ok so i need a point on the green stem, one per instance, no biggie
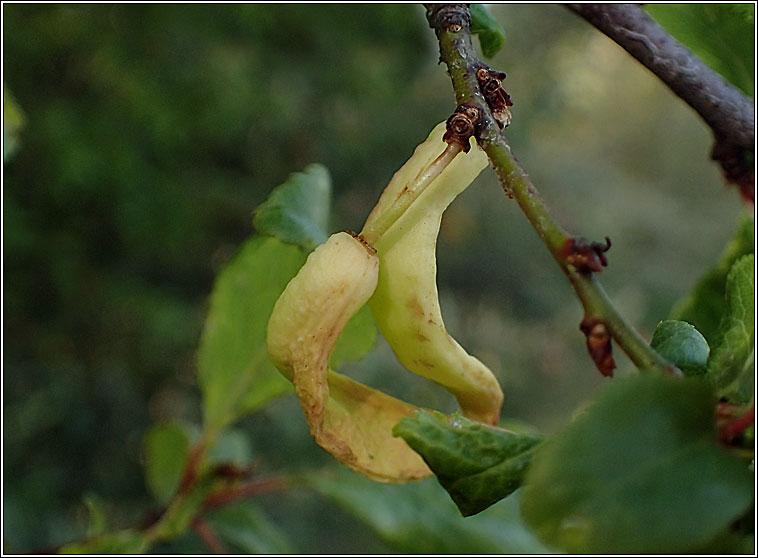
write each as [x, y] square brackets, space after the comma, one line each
[451, 23]
[596, 303]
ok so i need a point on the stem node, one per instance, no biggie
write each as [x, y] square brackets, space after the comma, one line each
[498, 99]
[463, 124]
[585, 256]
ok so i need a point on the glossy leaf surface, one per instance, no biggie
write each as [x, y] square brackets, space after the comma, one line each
[640, 471]
[477, 464]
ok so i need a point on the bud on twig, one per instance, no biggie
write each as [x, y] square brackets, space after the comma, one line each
[586, 256]
[599, 344]
[463, 124]
[491, 85]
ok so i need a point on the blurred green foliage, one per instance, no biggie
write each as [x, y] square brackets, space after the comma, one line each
[731, 363]
[639, 472]
[722, 35]
[13, 122]
[152, 131]
[491, 34]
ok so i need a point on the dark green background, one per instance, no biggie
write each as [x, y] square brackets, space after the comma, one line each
[153, 131]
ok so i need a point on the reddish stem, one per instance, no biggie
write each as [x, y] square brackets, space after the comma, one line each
[209, 536]
[192, 468]
[251, 488]
[734, 428]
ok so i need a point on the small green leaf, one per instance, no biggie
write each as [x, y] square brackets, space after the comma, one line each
[13, 122]
[477, 464]
[166, 450]
[491, 33]
[356, 340]
[730, 366]
[419, 518]
[98, 521]
[639, 472]
[683, 345]
[704, 306]
[246, 527]
[123, 542]
[232, 446]
[297, 212]
[234, 371]
[722, 35]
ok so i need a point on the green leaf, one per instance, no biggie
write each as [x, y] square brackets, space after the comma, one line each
[13, 122]
[640, 471]
[166, 450]
[297, 212]
[232, 446]
[98, 520]
[722, 35]
[704, 306]
[683, 345]
[123, 542]
[491, 33]
[356, 340]
[247, 528]
[730, 366]
[477, 464]
[419, 518]
[234, 371]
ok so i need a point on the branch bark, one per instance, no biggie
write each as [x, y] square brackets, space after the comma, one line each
[729, 113]
[451, 23]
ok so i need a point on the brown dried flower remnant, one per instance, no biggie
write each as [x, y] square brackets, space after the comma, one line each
[599, 344]
[461, 125]
[586, 256]
[491, 84]
[737, 166]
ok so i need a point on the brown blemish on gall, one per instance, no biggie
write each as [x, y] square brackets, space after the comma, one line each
[370, 249]
[414, 306]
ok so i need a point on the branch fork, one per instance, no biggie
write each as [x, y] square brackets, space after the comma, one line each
[475, 83]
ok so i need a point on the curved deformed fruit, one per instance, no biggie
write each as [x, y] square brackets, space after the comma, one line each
[406, 303]
[351, 421]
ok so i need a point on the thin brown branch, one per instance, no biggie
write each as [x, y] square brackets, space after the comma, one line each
[197, 454]
[245, 490]
[729, 113]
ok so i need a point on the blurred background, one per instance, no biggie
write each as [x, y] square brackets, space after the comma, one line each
[152, 132]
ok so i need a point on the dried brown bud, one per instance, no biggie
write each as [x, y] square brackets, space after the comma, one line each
[736, 165]
[586, 256]
[599, 344]
[461, 125]
[491, 85]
